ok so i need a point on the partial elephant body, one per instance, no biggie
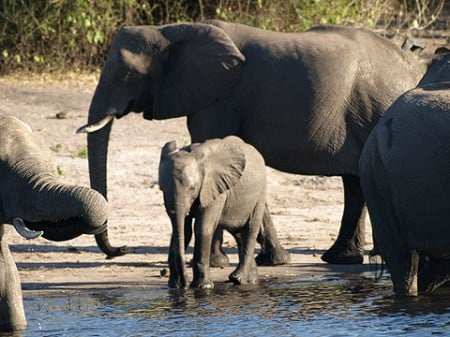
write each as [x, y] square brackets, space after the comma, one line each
[221, 184]
[307, 101]
[34, 202]
[30, 191]
[322, 90]
[404, 170]
[12, 314]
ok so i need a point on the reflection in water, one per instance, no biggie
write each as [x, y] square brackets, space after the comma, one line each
[316, 307]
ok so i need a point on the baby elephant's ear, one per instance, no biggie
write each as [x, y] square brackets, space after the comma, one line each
[169, 147]
[223, 165]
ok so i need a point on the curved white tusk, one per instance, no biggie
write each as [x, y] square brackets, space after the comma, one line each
[20, 227]
[89, 128]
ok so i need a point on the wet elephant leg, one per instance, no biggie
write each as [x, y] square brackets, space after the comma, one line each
[434, 274]
[12, 314]
[272, 253]
[348, 248]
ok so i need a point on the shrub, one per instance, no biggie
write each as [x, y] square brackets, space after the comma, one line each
[49, 35]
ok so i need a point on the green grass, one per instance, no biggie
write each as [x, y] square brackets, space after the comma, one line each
[83, 153]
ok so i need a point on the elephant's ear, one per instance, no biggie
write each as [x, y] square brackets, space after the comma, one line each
[168, 148]
[223, 164]
[164, 170]
[203, 65]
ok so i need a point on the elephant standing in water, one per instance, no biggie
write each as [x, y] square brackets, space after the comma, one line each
[222, 184]
[405, 175]
[307, 101]
[32, 199]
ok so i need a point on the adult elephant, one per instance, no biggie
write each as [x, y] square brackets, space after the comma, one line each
[36, 203]
[307, 101]
[405, 171]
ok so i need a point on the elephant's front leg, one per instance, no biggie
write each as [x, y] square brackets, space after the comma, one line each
[204, 228]
[272, 253]
[348, 248]
[12, 314]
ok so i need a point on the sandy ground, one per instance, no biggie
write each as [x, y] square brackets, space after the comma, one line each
[306, 209]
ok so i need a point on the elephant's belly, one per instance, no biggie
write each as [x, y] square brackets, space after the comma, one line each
[295, 153]
[311, 163]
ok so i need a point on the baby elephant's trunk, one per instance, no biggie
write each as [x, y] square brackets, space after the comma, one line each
[178, 278]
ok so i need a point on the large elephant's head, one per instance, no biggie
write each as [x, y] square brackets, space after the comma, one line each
[194, 176]
[438, 68]
[164, 72]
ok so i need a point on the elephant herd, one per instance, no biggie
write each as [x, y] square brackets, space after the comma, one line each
[330, 101]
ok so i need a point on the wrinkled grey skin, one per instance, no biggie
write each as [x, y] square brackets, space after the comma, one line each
[219, 183]
[307, 101]
[405, 175]
[34, 202]
[12, 314]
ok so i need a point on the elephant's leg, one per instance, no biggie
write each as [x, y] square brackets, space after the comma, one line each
[204, 228]
[12, 314]
[403, 264]
[246, 272]
[272, 253]
[218, 257]
[434, 274]
[348, 248]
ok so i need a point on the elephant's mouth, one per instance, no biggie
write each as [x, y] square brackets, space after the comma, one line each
[64, 229]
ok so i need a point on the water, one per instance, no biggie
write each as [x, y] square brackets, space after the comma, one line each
[335, 306]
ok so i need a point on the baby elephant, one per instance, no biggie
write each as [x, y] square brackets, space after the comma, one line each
[36, 203]
[220, 183]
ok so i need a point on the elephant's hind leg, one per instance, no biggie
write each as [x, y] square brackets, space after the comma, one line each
[404, 265]
[348, 248]
[272, 253]
[434, 274]
[218, 257]
[245, 272]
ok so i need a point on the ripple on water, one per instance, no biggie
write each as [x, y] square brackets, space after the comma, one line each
[340, 306]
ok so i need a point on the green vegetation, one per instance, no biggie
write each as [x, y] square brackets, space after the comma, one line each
[49, 35]
[83, 153]
[58, 147]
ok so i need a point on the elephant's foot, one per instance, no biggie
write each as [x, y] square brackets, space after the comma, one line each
[202, 284]
[239, 278]
[340, 254]
[273, 257]
[218, 260]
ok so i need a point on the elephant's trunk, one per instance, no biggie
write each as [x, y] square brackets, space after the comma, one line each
[177, 255]
[12, 314]
[64, 212]
[97, 155]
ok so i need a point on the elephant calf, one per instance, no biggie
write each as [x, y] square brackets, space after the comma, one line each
[222, 184]
[34, 202]
[405, 175]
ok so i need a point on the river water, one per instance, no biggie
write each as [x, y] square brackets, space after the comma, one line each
[332, 306]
